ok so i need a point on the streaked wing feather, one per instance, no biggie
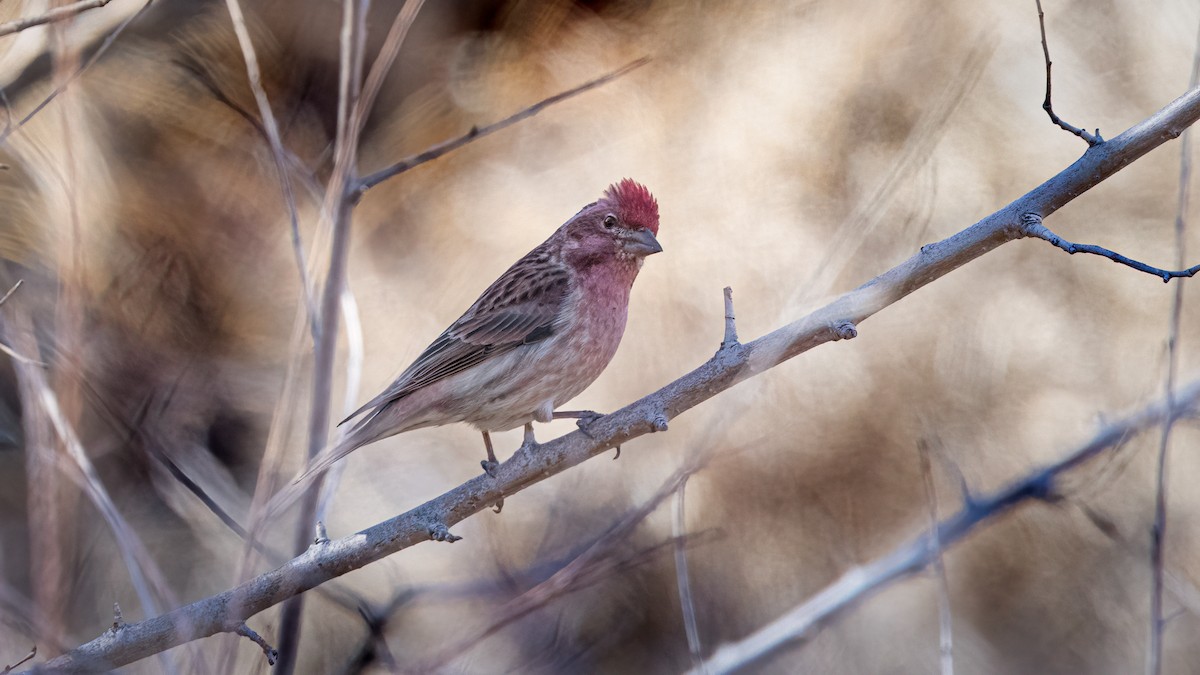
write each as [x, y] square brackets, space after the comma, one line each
[522, 307]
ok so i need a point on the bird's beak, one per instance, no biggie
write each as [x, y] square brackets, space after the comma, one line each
[642, 243]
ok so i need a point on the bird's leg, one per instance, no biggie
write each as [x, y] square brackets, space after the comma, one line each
[583, 420]
[489, 465]
[529, 441]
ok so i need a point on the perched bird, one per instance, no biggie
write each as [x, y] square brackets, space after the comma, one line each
[536, 338]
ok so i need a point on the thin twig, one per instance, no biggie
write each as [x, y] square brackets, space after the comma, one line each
[56, 14]
[144, 574]
[1158, 532]
[275, 142]
[432, 153]
[11, 291]
[528, 466]
[860, 583]
[8, 118]
[1092, 140]
[383, 63]
[108, 41]
[1033, 227]
[268, 651]
[945, 618]
[686, 604]
[8, 669]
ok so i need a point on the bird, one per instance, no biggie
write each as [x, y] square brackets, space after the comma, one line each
[534, 339]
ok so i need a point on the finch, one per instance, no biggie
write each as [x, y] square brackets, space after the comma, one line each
[535, 339]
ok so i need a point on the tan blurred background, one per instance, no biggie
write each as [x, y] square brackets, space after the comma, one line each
[797, 149]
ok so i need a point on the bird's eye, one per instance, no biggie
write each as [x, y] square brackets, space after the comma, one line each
[610, 221]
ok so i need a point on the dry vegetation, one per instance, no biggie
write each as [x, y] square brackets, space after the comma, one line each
[797, 149]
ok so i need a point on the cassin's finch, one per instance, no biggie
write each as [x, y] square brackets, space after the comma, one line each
[535, 339]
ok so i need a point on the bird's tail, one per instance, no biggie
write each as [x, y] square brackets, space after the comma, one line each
[292, 492]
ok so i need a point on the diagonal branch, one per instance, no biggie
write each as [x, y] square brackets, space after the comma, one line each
[860, 583]
[224, 612]
[370, 181]
[56, 14]
[1035, 229]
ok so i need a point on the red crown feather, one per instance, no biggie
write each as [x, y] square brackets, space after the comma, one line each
[634, 204]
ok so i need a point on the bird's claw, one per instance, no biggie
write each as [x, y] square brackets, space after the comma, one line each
[585, 420]
[489, 467]
[618, 455]
[498, 505]
[439, 532]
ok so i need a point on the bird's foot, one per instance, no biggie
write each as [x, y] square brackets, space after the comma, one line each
[584, 419]
[498, 505]
[439, 532]
[489, 467]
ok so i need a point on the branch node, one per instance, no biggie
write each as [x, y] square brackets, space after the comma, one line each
[439, 532]
[321, 536]
[268, 651]
[845, 330]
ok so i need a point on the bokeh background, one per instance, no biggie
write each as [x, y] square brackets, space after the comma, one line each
[796, 148]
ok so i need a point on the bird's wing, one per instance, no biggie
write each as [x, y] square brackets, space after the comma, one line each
[522, 307]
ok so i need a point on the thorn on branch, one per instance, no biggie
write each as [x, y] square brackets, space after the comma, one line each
[731, 338]
[268, 651]
[8, 669]
[1092, 139]
[439, 532]
[1031, 226]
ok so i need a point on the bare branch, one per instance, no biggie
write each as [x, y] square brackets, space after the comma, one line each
[12, 353]
[945, 618]
[860, 583]
[56, 14]
[339, 204]
[370, 181]
[679, 532]
[532, 464]
[1158, 532]
[383, 63]
[1092, 140]
[108, 42]
[1034, 228]
[271, 129]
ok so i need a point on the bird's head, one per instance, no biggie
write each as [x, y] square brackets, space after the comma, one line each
[621, 225]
